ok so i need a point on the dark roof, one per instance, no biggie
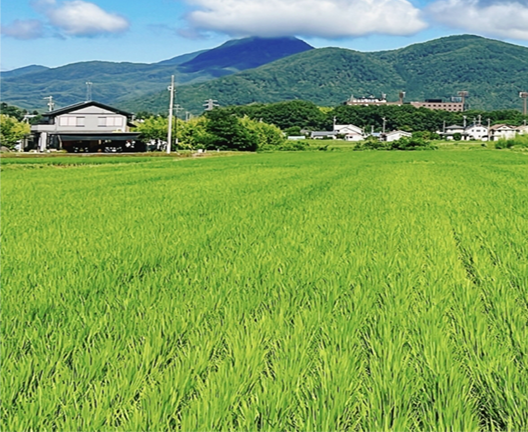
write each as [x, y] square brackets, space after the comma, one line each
[79, 105]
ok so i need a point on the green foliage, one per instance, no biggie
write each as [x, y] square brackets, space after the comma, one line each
[193, 134]
[12, 130]
[370, 143]
[293, 131]
[404, 143]
[268, 136]
[153, 128]
[316, 291]
[327, 76]
[457, 136]
[228, 133]
[12, 111]
[520, 141]
[291, 114]
[412, 143]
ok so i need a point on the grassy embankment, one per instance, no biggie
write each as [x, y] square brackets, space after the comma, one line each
[301, 291]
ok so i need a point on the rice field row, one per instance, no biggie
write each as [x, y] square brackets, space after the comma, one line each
[360, 291]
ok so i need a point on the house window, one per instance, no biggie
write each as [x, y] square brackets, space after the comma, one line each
[68, 121]
[110, 121]
[71, 121]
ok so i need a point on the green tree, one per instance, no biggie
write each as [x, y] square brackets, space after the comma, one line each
[193, 133]
[153, 128]
[12, 130]
[228, 133]
[268, 136]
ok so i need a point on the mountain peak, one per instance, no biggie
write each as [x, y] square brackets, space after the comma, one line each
[246, 53]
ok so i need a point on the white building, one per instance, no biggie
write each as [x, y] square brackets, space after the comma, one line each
[350, 132]
[502, 131]
[476, 132]
[396, 135]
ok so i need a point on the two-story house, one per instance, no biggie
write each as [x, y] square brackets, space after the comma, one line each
[87, 126]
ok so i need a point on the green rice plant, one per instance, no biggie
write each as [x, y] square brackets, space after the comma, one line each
[304, 291]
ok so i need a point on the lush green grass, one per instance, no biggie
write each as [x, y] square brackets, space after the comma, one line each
[305, 291]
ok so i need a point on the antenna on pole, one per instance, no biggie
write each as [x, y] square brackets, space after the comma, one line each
[524, 95]
[50, 104]
[89, 85]
[171, 103]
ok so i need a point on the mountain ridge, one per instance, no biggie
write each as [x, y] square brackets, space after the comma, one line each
[116, 81]
[492, 71]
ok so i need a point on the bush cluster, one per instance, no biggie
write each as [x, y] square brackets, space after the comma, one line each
[413, 143]
[520, 141]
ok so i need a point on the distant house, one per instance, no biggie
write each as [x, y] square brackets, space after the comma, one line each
[323, 134]
[350, 132]
[87, 126]
[450, 131]
[476, 132]
[502, 131]
[396, 135]
[522, 130]
[472, 132]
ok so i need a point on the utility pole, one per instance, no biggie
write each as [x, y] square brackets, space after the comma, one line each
[51, 104]
[463, 94]
[480, 120]
[384, 123]
[402, 96]
[171, 103]
[444, 127]
[177, 108]
[89, 91]
[210, 104]
[524, 96]
[465, 122]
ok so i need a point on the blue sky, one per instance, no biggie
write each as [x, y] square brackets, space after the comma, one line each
[57, 32]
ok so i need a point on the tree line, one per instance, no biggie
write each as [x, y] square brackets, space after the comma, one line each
[307, 115]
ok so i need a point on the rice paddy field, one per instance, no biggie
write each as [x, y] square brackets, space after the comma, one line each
[317, 291]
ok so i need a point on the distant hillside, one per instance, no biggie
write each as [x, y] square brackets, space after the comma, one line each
[116, 82]
[248, 53]
[22, 71]
[493, 72]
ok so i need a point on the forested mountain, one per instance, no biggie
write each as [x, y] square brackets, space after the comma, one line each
[493, 72]
[116, 82]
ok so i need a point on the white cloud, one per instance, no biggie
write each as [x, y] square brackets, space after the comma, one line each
[24, 29]
[81, 18]
[318, 18]
[67, 18]
[501, 19]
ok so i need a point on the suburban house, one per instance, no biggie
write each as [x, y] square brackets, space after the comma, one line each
[396, 135]
[450, 131]
[472, 132]
[87, 127]
[502, 131]
[476, 132]
[522, 130]
[322, 135]
[350, 132]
